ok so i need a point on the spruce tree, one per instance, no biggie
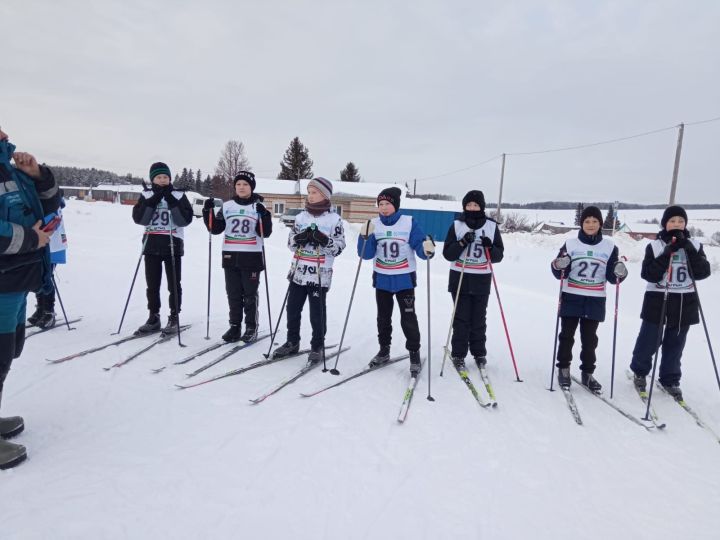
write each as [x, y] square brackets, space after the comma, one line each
[296, 162]
[578, 214]
[610, 219]
[350, 173]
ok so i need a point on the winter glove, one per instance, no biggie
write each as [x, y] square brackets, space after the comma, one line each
[302, 238]
[487, 242]
[155, 198]
[170, 199]
[261, 210]
[209, 204]
[467, 239]
[428, 248]
[677, 237]
[620, 270]
[319, 237]
[367, 228]
[561, 263]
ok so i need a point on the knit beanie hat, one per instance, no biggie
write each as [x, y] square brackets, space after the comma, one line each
[323, 185]
[671, 212]
[246, 176]
[391, 195]
[159, 168]
[475, 196]
[591, 211]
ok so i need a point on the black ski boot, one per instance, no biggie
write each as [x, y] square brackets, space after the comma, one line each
[415, 364]
[674, 391]
[316, 355]
[233, 334]
[459, 363]
[251, 333]
[640, 383]
[588, 380]
[35, 317]
[11, 454]
[564, 377]
[151, 325]
[481, 361]
[287, 349]
[46, 321]
[172, 325]
[382, 357]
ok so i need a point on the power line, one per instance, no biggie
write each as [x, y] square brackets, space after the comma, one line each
[588, 145]
[460, 170]
[574, 147]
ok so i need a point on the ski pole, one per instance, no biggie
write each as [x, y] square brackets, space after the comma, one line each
[175, 280]
[322, 303]
[661, 328]
[67, 320]
[429, 396]
[291, 274]
[615, 323]
[502, 314]
[267, 287]
[557, 325]
[455, 304]
[334, 370]
[702, 317]
[210, 222]
[132, 285]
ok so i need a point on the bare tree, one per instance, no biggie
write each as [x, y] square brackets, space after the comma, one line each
[232, 161]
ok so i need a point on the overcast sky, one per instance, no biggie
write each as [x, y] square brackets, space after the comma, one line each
[403, 89]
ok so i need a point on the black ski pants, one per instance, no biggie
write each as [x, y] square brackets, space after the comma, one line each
[408, 317]
[673, 343]
[153, 277]
[470, 325]
[242, 292]
[11, 346]
[316, 296]
[588, 341]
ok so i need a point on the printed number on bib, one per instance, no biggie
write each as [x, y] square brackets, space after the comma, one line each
[161, 218]
[584, 266]
[393, 248]
[240, 226]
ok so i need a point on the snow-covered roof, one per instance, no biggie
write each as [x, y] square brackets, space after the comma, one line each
[125, 188]
[370, 190]
[431, 204]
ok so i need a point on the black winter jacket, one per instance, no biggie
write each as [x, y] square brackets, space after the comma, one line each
[473, 284]
[681, 309]
[243, 260]
[180, 211]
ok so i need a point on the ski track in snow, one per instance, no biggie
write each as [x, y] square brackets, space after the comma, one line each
[123, 454]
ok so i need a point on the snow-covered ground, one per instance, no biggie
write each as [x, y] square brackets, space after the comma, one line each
[123, 454]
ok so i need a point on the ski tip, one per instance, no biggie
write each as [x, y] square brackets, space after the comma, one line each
[494, 404]
[181, 387]
[305, 395]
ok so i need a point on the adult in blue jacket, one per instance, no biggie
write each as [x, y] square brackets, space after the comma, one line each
[28, 192]
[393, 239]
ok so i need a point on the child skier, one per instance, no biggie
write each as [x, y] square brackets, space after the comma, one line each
[44, 316]
[165, 212]
[245, 222]
[673, 243]
[316, 239]
[586, 264]
[392, 239]
[465, 245]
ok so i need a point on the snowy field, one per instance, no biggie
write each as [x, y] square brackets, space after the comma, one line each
[123, 454]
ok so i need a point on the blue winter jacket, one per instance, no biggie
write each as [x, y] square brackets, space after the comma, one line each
[23, 202]
[587, 307]
[397, 282]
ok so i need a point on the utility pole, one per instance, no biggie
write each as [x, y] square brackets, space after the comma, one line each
[414, 187]
[676, 169]
[502, 180]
